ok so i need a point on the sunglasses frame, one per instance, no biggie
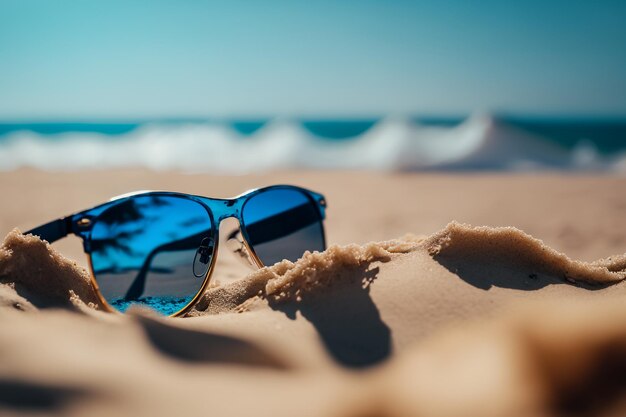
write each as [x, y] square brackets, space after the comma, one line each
[218, 209]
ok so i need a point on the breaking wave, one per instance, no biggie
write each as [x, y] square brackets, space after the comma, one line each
[393, 143]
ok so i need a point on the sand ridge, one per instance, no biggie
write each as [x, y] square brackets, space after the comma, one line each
[506, 247]
[32, 266]
[432, 320]
[45, 277]
[510, 244]
[290, 281]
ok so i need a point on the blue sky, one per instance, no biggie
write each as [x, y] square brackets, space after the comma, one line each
[133, 58]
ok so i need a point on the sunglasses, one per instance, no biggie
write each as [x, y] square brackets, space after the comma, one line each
[158, 249]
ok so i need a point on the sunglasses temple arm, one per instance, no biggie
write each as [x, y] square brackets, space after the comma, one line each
[267, 230]
[238, 248]
[282, 224]
[137, 287]
[271, 228]
[54, 230]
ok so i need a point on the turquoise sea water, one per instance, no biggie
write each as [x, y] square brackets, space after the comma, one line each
[477, 142]
[164, 305]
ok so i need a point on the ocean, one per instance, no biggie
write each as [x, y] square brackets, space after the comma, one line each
[477, 142]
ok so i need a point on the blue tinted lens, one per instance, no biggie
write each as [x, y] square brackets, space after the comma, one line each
[282, 223]
[152, 250]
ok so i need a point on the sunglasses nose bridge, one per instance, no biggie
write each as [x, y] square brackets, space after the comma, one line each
[225, 209]
[223, 217]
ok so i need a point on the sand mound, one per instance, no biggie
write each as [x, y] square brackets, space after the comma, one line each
[471, 321]
[544, 359]
[291, 281]
[43, 276]
[484, 256]
[460, 245]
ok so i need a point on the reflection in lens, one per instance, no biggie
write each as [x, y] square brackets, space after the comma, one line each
[143, 251]
[282, 223]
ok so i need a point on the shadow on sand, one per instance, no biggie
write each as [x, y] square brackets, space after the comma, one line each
[346, 318]
[501, 266]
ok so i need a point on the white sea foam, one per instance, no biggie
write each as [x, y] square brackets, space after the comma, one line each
[393, 143]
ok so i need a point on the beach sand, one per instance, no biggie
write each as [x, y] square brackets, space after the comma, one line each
[440, 295]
